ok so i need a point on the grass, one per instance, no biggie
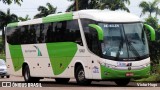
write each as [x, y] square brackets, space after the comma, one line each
[1, 39]
[2, 56]
[152, 78]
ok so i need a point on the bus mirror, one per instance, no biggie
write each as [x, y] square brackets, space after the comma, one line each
[99, 31]
[152, 31]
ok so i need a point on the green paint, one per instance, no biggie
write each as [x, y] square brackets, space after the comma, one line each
[152, 31]
[17, 56]
[61, 54]
[56, 18]
[99, 30]
[39, 52]
[114, 74]
[12, 24]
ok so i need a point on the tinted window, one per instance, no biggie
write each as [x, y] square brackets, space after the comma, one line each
[64, 31]
[91, 37]
[14, 35]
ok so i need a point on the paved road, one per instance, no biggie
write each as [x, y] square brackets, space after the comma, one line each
[50, 84]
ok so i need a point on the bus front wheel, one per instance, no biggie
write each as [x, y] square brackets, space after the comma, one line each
[27, 76]
[80, 76]
[122, 82]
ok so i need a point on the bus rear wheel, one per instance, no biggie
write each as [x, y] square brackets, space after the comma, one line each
[80, 76]
[62, 80]
[122, 82]
[27, 76]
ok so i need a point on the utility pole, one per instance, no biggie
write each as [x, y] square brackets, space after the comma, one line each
[77, 7]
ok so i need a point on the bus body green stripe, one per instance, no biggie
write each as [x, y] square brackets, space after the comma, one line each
[61, 54]
[108, 73]
[12, 24]
[56, 18]
[16, 56]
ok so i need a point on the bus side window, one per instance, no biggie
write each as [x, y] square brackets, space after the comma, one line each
[74, 34]
[24, 35]
[32, 34]
[16, 38]
[13, 36]
[49, 33]
[44, 32]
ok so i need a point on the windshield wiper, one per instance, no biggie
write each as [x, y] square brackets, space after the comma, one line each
[132, 48]
[120, 46]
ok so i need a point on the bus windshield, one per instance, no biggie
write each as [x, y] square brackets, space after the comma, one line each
[126, 41]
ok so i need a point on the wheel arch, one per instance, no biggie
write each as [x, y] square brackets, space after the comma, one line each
[76, 65]
[23, 66]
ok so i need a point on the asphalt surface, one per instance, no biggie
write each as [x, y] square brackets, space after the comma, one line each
[50, 84]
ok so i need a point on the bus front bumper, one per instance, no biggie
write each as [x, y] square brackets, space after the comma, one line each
[108, 73]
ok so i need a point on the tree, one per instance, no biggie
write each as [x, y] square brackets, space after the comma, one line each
[11, 1]
[149, 6]
[99, 4]
[157, 12]
[115, 4]
[154, 47]
[44, 11]
[6, 18]
[24, 19]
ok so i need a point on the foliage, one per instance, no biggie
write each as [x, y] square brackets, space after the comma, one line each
[24, 19]
[99, 4]
[11, 1]
[115, 4]
[154, 46]
[149, 7]
[152, 21]
[6, 18]
[2, 56]
[44, 11]
[152, 78]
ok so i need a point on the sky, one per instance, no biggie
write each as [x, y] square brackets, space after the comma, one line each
[30, 7]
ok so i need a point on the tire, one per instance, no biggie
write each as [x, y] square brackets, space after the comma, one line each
[122, 82]
[2, 76]
[62, 80]
[8, 76]
[27, 76]
[80, 76]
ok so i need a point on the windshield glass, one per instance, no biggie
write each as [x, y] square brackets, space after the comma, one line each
[124, 41]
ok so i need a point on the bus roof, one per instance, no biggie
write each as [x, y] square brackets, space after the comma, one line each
[97, 15]
[109, 16]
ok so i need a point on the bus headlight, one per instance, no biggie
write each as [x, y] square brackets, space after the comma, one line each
[108, 65]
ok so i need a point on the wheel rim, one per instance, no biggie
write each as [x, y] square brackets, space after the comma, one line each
[81, 75]
[27, 75]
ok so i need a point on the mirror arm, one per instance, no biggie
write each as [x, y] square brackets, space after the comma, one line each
[99, 30]
[152, 32]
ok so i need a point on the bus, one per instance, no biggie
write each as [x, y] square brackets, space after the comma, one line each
[86, 45]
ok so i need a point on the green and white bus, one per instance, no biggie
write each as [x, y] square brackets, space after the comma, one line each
[88, 45]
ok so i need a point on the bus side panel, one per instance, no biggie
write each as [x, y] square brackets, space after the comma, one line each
[14, 59]
[61, 55]
[37, 58]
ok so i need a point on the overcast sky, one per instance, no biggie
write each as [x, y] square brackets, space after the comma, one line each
[30, 7]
